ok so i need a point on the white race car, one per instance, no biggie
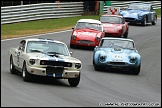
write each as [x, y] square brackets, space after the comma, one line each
[45, 57]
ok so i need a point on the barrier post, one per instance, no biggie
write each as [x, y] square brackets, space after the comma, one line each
[101, 7]
[108, 3]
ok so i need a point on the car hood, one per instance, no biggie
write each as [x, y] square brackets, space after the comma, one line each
[86, 34]
[61, 58]
[132, 13]
[108, 27]
[117, 50]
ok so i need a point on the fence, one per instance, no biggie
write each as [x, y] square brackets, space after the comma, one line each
[125, 4]
[12, 14]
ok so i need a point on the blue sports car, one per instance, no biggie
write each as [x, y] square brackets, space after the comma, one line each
[140, 13]
[119, 53]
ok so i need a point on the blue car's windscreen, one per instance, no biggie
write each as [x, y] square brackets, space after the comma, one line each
[117, 43]
[139, 7]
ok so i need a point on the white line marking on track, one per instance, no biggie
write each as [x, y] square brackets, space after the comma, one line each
[35, 35]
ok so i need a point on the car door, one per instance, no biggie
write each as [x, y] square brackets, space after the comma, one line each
[151, 14]
[124, 25]
[20, 54]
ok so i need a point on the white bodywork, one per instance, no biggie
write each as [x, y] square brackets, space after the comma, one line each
[20, 56]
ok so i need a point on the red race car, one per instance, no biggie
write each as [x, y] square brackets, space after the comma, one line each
[114, 25]
[87, 32]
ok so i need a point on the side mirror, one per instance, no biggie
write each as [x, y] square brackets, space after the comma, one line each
[20, 47]
[72, 28]
[71, 53]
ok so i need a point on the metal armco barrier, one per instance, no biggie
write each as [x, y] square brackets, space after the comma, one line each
[125, 4]
[12, 14]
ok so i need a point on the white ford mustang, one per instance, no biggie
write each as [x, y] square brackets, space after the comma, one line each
[45, 57]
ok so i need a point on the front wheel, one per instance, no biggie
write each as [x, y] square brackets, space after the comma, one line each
[144, 21]
[126, 34]
[72, 46]
[25, 74]
[74, 81]
[135, 71]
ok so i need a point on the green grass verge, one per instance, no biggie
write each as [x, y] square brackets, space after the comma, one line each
[40, 26]
[43, 26]
[158, 11]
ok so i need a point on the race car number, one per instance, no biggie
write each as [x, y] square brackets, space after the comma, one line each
[117, 56]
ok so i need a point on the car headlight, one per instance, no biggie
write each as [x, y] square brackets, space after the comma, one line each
[132, 59]
[98, 39]
[139, 16]
[73, 37]
[77, 65]
[102, 58]
[32, 61]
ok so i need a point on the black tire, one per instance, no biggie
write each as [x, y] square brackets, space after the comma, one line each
[121, 35]
[155, 21]
[74, 81]
[25, 74]
[135, 71]
[12, 67]
[144, 21]
[98, 68]
[72, 46]
[126, 34]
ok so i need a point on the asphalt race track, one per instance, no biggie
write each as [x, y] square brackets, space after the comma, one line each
[96, 88]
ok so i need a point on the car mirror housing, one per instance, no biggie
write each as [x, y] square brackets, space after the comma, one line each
[71, 53]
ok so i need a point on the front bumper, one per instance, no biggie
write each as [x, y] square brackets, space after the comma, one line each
[84, 43]
[42, 71]
[133, 20]
[117, 65]
[110, 34]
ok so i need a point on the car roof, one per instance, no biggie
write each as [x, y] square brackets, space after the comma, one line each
[90, 21]
[43, 39]
[118, 38]
[140, 4]
[112, 15]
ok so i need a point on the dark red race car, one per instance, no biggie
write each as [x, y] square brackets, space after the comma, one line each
[114, 25]
[87, 32]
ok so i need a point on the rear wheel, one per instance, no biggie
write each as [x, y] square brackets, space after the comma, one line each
[74, 81]
[155, 21]
[12, 67]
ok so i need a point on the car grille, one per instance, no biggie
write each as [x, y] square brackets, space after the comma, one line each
[53, 70]
[129, 19]
[111, 34]
[84, 42]
[117, 63]
[55, 63]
